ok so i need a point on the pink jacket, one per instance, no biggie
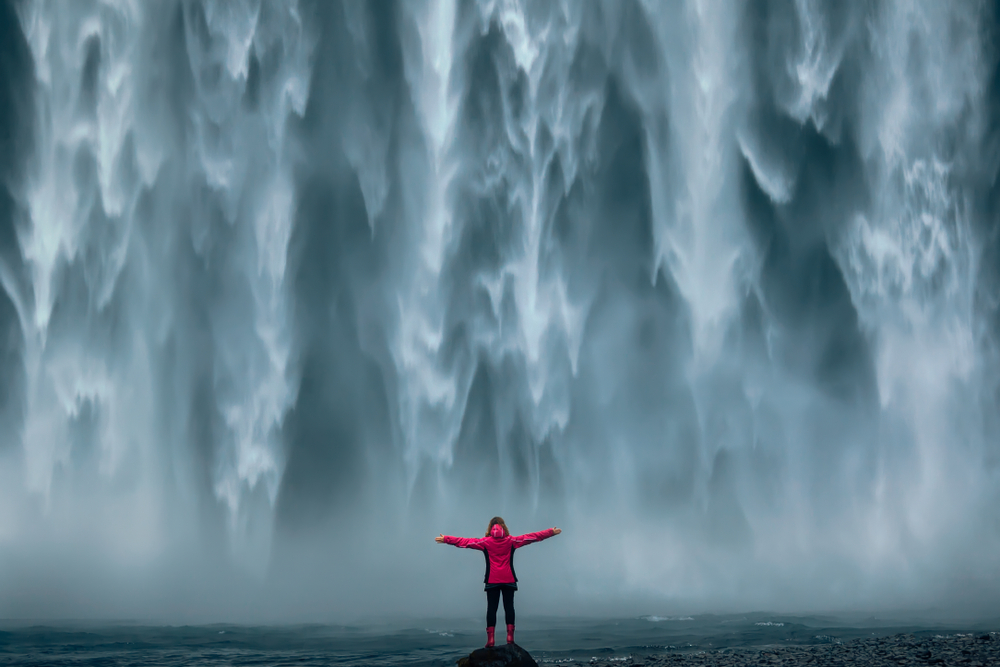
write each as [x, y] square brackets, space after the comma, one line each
[499, 552]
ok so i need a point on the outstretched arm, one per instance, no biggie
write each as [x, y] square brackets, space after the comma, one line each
[461, 542]
[522, 540]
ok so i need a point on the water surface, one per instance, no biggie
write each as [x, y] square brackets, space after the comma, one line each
[438, 642]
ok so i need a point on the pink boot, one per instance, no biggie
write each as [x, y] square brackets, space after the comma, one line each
[489, 637]
[510, 633]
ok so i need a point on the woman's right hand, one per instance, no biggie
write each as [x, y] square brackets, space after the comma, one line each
[439, 539]
[556, 531]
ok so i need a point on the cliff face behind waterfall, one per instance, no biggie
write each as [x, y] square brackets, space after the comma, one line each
[288, 288]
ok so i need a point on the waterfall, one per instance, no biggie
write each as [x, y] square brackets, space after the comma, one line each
[711, 286]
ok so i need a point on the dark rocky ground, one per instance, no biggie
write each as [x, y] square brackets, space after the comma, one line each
[968, 650]
[502, 655]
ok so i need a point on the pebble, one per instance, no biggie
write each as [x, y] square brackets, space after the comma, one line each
[964, 649]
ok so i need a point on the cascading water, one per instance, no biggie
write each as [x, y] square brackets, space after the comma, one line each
[291, 287]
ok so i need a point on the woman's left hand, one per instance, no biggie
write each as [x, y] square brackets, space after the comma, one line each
[439, 539]
[556, 531]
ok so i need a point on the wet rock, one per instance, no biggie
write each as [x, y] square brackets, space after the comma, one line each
[505, 655]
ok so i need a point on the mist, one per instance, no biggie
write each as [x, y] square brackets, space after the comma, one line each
[289, 288]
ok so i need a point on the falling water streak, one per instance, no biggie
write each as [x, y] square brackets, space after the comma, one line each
[431, 401]
[96, 47]
[267, 389]
[541, 303]
[708, 243]
[700, 233]
[910, 266]
[61, 208]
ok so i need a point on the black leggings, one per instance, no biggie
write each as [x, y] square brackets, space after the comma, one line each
[493, 601]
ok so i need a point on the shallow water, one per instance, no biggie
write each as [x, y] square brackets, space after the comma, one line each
[437, 642]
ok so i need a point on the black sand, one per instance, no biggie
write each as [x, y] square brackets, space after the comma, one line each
[966, 649]
[735, 639]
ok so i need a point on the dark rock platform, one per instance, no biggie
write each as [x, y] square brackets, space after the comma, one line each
[965, 649]
[503, 655]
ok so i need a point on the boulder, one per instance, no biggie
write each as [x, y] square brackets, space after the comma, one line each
[505, 655]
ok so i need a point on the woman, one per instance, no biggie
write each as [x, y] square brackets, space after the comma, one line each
[498, 548]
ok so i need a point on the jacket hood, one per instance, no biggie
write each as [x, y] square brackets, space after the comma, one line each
[496, 531]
